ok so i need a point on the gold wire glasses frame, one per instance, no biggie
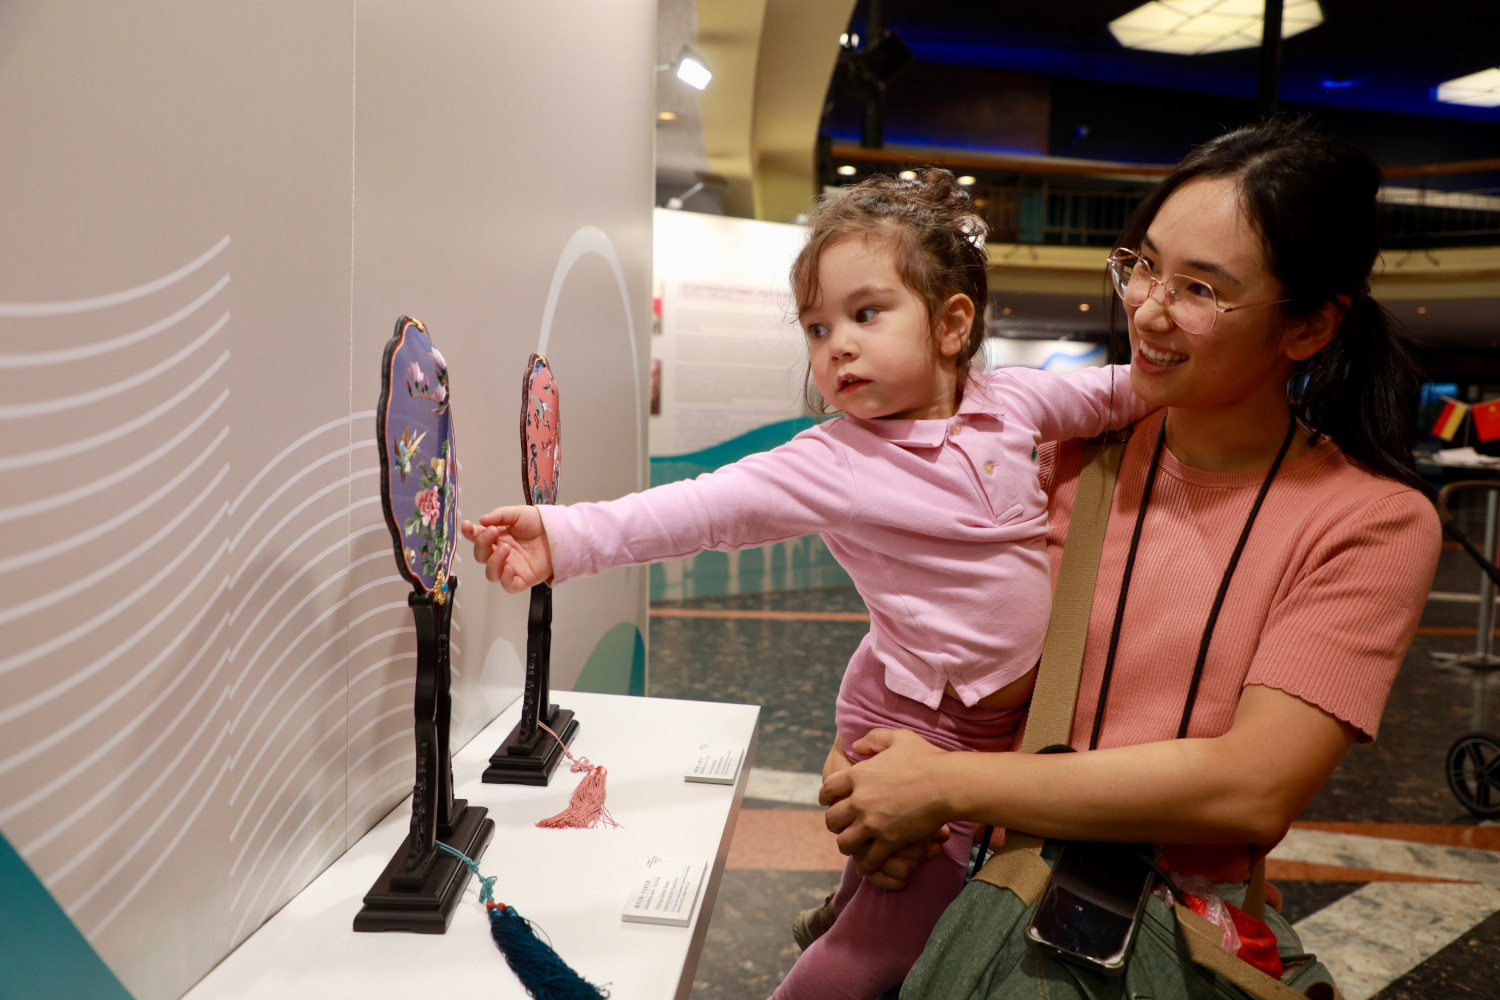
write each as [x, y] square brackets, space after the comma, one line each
[1191, 303]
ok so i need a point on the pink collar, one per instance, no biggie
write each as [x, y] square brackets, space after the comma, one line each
[931, 433]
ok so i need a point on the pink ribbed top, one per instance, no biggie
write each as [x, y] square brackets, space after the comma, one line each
[1323, 605]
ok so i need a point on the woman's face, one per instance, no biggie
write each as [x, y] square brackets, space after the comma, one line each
[1201, 231]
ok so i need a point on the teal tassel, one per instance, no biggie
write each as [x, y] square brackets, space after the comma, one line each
[541, 971]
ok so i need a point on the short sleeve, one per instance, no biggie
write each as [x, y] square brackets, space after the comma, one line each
[1340, 632]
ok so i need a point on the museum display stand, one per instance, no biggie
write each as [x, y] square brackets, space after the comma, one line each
[569, 883]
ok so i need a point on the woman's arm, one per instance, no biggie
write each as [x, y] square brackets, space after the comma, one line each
[1243, 787]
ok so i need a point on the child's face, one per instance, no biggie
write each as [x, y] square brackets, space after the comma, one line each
[872, 346]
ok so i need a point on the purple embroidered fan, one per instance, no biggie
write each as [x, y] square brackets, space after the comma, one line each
[529, 756]
[421, 885]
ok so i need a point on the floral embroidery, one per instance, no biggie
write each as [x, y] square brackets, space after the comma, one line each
[541, 433]
[418, 387]
[427, 521]
[418, 458]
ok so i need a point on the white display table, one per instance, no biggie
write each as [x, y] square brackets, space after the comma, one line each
[570, 883]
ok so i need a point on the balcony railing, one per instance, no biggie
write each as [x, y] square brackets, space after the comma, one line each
[1046, 200]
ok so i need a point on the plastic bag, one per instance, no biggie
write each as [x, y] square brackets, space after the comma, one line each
[1244, 936]
[1203, 899]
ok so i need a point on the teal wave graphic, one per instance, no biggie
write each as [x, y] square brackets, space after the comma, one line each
[671, 468]
[42, 955]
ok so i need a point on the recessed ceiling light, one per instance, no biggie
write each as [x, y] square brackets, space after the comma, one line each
[1083, 307]
[967, 180]
[907, 175]
[1196, 27]
[1422, 309]
[666, 116]
[1482, 89]
[847, 170]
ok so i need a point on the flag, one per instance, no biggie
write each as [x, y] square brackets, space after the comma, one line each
[1450, 420]
[1487, 420]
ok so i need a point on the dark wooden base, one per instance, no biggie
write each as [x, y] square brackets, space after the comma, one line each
[535, 766]
[427, 909]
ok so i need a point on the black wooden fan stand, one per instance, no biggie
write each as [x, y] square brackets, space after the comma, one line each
[529, 755]
[420, 887]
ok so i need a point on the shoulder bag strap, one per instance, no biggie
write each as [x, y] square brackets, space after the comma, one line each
[1018, 864]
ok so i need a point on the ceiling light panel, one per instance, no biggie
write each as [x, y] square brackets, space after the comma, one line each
[1480, 90]
[1197, 27]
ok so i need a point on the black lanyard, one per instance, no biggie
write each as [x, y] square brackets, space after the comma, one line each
[1213, 615]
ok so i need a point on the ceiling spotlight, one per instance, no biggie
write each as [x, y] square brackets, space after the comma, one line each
[907, 175]
[967, 180]
[847, 170]
[1422, 310]
[1083, 307]
[676, 201]
[691, 69]
[1481, 90]
[666, 116]
[1197, 27]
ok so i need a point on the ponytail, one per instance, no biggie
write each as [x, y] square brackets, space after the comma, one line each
[1361, 391]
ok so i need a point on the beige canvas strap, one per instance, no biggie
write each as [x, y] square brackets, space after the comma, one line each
[1018, 865]
[1051, 717]
[1255, 892]
[1203, 940]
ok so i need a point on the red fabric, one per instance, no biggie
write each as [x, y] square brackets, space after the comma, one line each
[1487, 420]
[1257, 942]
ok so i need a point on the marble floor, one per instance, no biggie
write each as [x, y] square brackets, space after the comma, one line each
[1385, 874]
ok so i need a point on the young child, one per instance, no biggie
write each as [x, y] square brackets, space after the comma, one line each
[925, 491]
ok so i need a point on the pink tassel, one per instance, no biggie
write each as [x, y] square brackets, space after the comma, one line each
[586, 808]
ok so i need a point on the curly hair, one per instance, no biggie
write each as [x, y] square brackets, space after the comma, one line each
[937, 236]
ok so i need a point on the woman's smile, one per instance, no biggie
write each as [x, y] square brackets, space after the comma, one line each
[1157, 359]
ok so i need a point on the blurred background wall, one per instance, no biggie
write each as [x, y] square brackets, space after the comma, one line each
[213, 216]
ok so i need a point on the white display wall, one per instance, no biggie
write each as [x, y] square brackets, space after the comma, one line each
[213, 215]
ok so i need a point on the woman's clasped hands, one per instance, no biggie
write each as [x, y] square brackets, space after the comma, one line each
[883, 808]
[512, 544]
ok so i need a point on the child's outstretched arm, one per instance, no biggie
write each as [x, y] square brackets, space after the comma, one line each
[802, 487]
[511, 543]
[1085, 403]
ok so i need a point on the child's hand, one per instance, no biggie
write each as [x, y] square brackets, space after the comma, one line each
[512, 544]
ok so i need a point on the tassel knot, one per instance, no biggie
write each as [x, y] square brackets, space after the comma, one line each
[586, 806]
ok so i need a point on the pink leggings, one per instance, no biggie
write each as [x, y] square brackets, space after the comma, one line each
[878, 935]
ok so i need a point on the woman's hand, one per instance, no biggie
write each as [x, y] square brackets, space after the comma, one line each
[884, 804]
[512, 544]
[899, 867]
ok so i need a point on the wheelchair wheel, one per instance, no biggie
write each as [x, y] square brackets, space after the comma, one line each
[1474, 773]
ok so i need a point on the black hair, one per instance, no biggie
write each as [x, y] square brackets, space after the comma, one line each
[1312, 201]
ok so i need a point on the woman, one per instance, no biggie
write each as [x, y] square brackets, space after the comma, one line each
[1243, 278]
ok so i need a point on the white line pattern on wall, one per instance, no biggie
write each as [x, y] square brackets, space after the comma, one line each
[205, 638]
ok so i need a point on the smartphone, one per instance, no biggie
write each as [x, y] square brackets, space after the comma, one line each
[1092, 906]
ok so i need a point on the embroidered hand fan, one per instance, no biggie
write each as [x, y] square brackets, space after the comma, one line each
[418, 485]
[541, 432]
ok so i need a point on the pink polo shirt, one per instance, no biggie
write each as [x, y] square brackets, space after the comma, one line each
[941, 523]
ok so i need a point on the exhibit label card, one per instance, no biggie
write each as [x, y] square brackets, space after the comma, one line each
[665, 891]
[718, 765]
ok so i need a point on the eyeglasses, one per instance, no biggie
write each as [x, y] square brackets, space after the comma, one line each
[1192, 304]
